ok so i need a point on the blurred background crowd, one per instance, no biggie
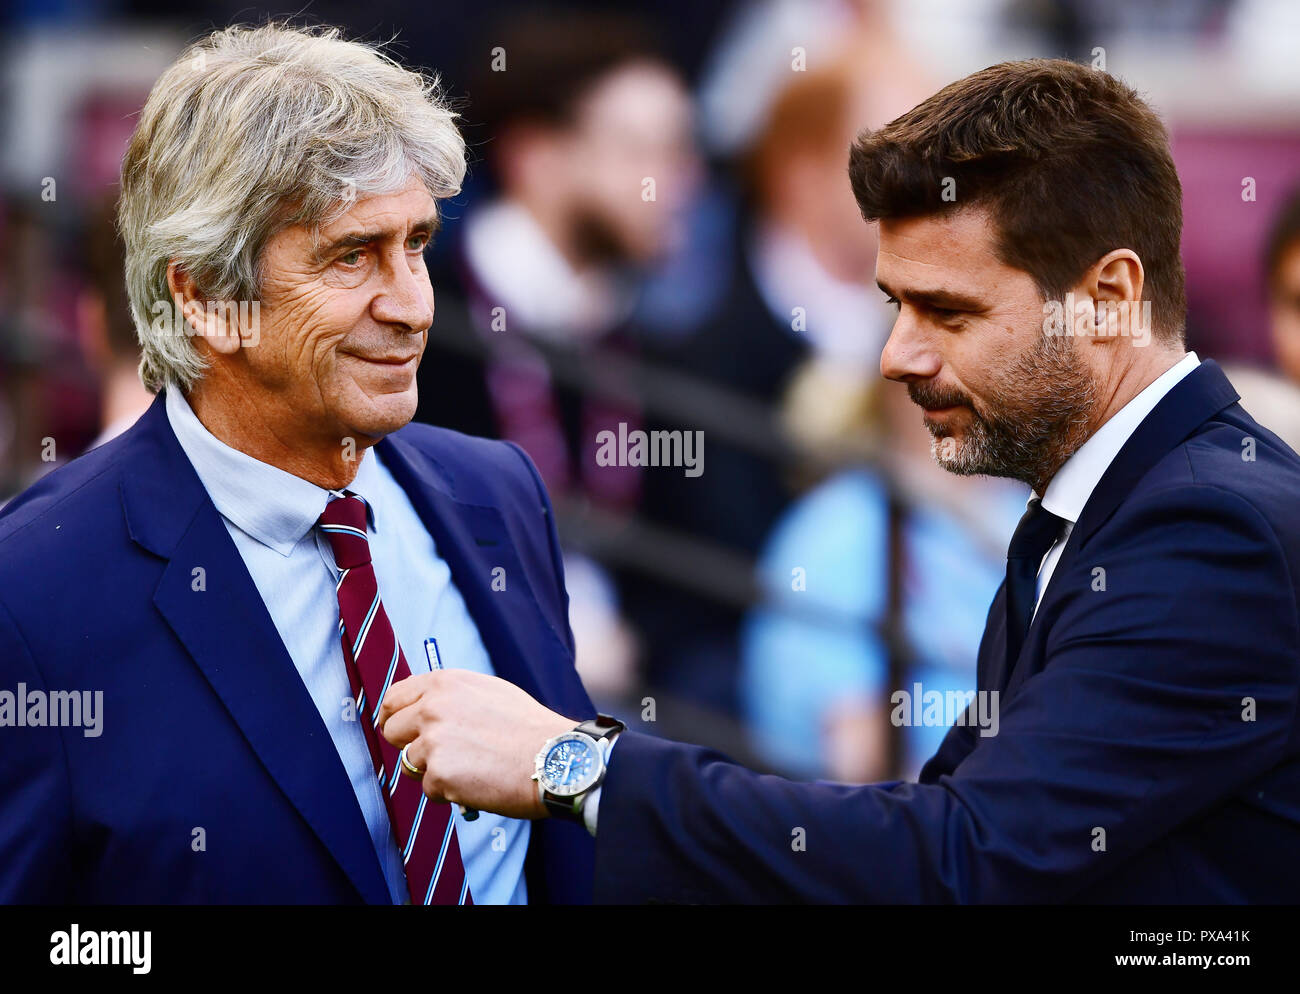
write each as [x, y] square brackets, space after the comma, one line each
[657, 232]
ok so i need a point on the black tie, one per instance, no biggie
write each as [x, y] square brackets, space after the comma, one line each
[1037, 530]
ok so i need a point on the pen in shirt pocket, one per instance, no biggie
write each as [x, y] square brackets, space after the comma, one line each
[435, 663]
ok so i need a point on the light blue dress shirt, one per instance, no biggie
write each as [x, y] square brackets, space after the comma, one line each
[271, 515]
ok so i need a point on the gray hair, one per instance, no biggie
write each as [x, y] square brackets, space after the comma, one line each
[253, 130]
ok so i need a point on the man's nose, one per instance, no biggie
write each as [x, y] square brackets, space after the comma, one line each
[406, 297]
[909, 354]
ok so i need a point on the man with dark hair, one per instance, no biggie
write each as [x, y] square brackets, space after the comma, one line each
[111, 342]
[1069, 162]
[575, 110]
[1282, 272]
[1134, 735]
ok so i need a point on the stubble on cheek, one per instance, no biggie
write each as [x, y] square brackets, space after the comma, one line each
[1032, 416]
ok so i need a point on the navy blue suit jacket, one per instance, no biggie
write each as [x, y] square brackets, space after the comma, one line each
[206, 722]
[1148, 748]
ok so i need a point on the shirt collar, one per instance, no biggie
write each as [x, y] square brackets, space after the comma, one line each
[271, 505]
[1075, 481]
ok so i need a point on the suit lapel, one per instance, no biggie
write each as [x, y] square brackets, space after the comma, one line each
[1196, 398]
[475, 541]
[991, 663]
[230, 635]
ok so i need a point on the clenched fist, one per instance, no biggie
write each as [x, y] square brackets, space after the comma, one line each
[475, 736]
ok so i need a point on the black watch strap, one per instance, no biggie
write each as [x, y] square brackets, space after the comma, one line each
[600, 727]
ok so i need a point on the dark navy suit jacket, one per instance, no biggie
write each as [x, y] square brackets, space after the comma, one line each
[206, 723]
[1148, 748]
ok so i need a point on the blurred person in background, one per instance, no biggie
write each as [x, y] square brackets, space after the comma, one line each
[798, 290]
[588, 135]
[800, 285]
[110, 338]
[67, 106]
[578, 112]
[816, 676]
[1282, 273]
[783, 91]
[47, 394]
[1273, 395]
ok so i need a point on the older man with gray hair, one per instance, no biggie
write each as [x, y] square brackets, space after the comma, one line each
[247, 572]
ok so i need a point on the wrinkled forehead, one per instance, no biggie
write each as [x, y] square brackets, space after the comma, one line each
[371, 217]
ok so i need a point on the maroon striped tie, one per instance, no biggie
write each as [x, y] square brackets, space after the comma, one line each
[424, 829]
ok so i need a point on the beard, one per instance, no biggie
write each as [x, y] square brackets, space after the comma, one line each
[1034, 418]
[598, 241]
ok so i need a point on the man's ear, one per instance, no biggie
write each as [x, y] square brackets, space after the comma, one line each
[209, 324]
[1114, 278]
[1118, 275]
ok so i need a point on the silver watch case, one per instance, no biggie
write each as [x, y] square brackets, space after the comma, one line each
[545, 787]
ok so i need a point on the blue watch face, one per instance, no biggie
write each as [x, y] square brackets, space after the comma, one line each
[570, 766]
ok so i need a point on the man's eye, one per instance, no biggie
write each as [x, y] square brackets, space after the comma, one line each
[947, 315]
[352, 258]
[417, 243]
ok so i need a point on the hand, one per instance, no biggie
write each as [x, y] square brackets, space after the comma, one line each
[475, 736]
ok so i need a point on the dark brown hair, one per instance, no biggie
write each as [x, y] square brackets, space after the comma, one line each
[1284, 232]
[1069, 161]
[553, 58]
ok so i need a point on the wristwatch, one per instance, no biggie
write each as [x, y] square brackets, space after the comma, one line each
[572, 764]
